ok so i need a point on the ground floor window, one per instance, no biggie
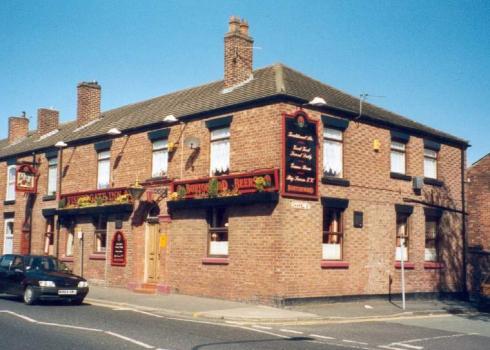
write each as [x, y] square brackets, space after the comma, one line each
[402, 230]
[217, 232]
[431, 239]
[49, 236]
[70, 238]
[332, 233]
[100, 240]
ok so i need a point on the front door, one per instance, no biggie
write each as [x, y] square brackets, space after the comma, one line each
[8, 236]
[152, 256]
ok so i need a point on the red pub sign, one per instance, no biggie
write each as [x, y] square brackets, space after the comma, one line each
[119, 245]
[300, 156]
[26, 178]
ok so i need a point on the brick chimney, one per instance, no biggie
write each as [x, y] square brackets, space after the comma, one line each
[47, 120]
[88, 103]
[238, 52]
[18, 128]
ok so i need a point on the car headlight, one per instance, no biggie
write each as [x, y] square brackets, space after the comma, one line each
[82, 284]
[47, 284]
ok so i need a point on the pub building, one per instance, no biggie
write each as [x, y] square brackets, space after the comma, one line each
[267, 186]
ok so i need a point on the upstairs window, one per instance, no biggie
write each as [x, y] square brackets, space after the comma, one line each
[332, 152]
[160, 158]
[401, 237]
[398, 159]
[100, 234]
[218, 232]
[10, 193]
[333, 234]
[103, 169]
[430, 163]
[52, 176]
[220, 151]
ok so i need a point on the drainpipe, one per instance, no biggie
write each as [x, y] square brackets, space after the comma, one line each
[464, 235]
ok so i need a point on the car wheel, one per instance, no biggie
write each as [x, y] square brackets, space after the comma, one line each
[29, 297]
[77, 301]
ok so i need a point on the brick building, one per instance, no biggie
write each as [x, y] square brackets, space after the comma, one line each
[265, 186]
[478, 199]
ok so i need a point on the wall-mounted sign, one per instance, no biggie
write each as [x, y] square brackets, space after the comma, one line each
[300, 156]
[26, 178]
[119, 247]
[300, 205]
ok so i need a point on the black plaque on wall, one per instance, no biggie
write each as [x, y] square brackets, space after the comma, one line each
[119, 245]
[300, 156]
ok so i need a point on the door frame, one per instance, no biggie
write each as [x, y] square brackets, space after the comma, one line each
[5, 224]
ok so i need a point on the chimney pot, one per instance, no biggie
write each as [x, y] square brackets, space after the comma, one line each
[88, 102]
[234, 24]
[244, 27]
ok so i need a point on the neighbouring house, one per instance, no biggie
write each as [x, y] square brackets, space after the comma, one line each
[266, 186]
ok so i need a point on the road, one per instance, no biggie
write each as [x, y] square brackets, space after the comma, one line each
[60, 326]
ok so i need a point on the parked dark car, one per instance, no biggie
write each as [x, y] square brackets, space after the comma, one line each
[36, 277]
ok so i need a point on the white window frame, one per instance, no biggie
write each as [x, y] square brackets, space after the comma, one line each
[70, 239]
[49, 236]
[219, 137]
[11, 236]
[10, 188]
[333, 236]
[430, 159]
[52, 186]
[431, 254]
[331, 137]
[159, 162]
[217, 246]
[400, 149]
[402, 238]
[100, 230]
[103, 162]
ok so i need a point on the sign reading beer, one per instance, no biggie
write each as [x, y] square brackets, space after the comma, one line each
[26, 178]
[118, 257]
[300, 156]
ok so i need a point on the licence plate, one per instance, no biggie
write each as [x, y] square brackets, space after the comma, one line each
[67, 292]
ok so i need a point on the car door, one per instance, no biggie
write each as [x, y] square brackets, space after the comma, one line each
[15, 276]
[5, 262]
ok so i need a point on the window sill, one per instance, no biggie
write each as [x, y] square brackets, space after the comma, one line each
[399, 176]
[433, 182]
[407, 265]
[336, 181]
[334, 264]
[215, 261]
[49, 197]
[67, 259]
[97, 256]
[433, 265]
[11, 202]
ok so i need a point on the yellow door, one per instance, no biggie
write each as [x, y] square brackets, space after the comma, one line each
[152, 256]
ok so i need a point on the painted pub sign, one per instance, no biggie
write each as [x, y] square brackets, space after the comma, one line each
[300, 156]
[26, 178]
[119, 247]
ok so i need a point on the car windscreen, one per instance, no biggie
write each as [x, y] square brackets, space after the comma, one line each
[45, 263]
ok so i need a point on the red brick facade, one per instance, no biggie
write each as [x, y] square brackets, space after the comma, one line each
[274, 246]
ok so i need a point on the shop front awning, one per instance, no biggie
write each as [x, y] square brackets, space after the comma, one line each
[244, 199]
[96, 210]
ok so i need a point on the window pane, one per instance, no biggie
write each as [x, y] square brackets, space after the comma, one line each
[69, 243]
[160, 144]
[398, 146]
[10, 193]
[104, 155]
[397, 162]
[332, 134]
[430, 153]
[220, 156]
[430, 168]
[401, 237]
[159, 163]
[53, 161]
[332, 158]
[103, 174]
[220, 133]
[52, 179]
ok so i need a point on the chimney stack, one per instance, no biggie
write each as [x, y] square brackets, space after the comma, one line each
[18, 128]
[47, 120]
[88, 102]
[238, 52]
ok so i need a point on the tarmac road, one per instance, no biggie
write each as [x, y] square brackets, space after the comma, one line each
[60, 326]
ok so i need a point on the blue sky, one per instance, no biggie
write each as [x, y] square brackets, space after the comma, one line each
[430, 59]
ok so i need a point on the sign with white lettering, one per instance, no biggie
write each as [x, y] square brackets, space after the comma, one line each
[300, 156]
[118, 256]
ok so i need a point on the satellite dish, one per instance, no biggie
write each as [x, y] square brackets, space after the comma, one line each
[192, 142]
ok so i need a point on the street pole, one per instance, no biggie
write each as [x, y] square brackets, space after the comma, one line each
[402, 245]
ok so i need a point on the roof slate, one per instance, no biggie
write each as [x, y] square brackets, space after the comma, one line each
[270, 81]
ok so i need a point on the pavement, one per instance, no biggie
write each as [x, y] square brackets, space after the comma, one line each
[223, 310]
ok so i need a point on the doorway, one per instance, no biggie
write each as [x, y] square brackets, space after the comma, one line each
[8, 236]
[152, 255]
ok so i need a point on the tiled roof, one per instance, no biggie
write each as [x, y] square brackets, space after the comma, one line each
[270, 81]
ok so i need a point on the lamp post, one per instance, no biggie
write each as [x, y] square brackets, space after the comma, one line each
[59, 145]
